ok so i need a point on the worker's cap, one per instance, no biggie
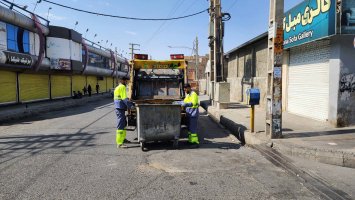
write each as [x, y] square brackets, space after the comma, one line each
[125, 78]
[187, 85]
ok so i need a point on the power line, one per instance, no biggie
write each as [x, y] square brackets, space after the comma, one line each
[232, 5]
[171, 13]
[124, 17]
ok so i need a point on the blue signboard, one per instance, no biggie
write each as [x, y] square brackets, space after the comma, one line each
[309, 21]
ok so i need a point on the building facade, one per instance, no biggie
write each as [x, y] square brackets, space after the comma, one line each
[42, 62]
[318, 65]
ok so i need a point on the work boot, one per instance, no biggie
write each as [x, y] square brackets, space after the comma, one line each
[121, 146]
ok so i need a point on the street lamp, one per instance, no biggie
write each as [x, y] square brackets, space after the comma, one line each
[195, 50]
[50, 8]
[76, 23]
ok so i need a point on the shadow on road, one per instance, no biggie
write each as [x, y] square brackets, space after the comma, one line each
[318, 133]
[18, 146]
[58, 113]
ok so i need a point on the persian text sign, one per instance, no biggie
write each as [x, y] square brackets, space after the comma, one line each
[309, 21]
[21, 60]
[152, 64]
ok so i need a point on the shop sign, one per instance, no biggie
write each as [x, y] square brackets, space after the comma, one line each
[18, 59]
[310, 20]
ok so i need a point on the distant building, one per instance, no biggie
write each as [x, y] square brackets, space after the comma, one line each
[201, 67]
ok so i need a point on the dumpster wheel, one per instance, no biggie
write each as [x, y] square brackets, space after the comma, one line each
[176, 144]
[142, 144]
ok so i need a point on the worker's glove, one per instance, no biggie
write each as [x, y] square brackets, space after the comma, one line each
[187, 104]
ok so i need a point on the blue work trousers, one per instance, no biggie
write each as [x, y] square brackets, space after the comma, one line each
[121, 119]
[192, 118]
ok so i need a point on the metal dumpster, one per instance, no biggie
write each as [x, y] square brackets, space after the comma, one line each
[158, 122]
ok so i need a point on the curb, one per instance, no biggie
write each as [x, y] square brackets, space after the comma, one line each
[327, 156]
[215, 119]
[237, 130]
[28, 110]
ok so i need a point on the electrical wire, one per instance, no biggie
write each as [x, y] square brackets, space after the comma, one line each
[171, 13]
[124, 17]
[232, 5]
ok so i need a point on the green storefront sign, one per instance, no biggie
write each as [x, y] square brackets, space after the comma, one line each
[309, 21]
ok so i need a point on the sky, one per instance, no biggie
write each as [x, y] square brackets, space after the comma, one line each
[249, 18]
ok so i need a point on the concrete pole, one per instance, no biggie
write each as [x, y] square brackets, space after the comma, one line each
[211, 74]
[274, 81]
[217, 41]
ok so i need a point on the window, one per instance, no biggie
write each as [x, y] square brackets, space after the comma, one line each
[18, 39]
[98, 61]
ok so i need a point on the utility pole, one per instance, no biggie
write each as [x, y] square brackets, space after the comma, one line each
[211, 37]
[116, 57]
[133, 49]
[197, 59]
[274, 81]
[217, 40]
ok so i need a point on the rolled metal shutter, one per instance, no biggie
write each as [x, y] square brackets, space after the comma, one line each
[102, 84]
[78, 83]
[92, 80]
[60, 86]
[308, 83]
[8, 87]
[33, 87]
[109, 81]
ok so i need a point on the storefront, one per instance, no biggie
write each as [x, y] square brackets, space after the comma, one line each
[308, 28]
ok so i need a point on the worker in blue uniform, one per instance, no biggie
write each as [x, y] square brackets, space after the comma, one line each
[191, 105]
[122, 103]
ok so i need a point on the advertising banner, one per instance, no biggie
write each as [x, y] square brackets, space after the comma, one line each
[348, 17]
[61, 64]
[3, 36]
[309, 21]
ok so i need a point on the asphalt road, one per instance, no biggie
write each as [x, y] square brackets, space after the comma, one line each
[71, 154]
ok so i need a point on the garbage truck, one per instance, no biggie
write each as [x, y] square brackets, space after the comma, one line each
[156, 89]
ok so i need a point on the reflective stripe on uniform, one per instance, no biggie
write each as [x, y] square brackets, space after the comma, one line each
[120, 92]
[192, 98]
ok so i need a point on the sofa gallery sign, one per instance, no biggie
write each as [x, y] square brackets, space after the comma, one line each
[309, 21]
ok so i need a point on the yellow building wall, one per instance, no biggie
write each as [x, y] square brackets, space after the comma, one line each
[33, 87]
[78, 82]
[8, 87]
[60, 86]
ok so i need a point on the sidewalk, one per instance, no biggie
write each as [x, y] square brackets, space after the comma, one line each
[303, 137]
[20, 111]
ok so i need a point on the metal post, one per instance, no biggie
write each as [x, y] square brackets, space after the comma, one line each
[275, 54]
[252, 118]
